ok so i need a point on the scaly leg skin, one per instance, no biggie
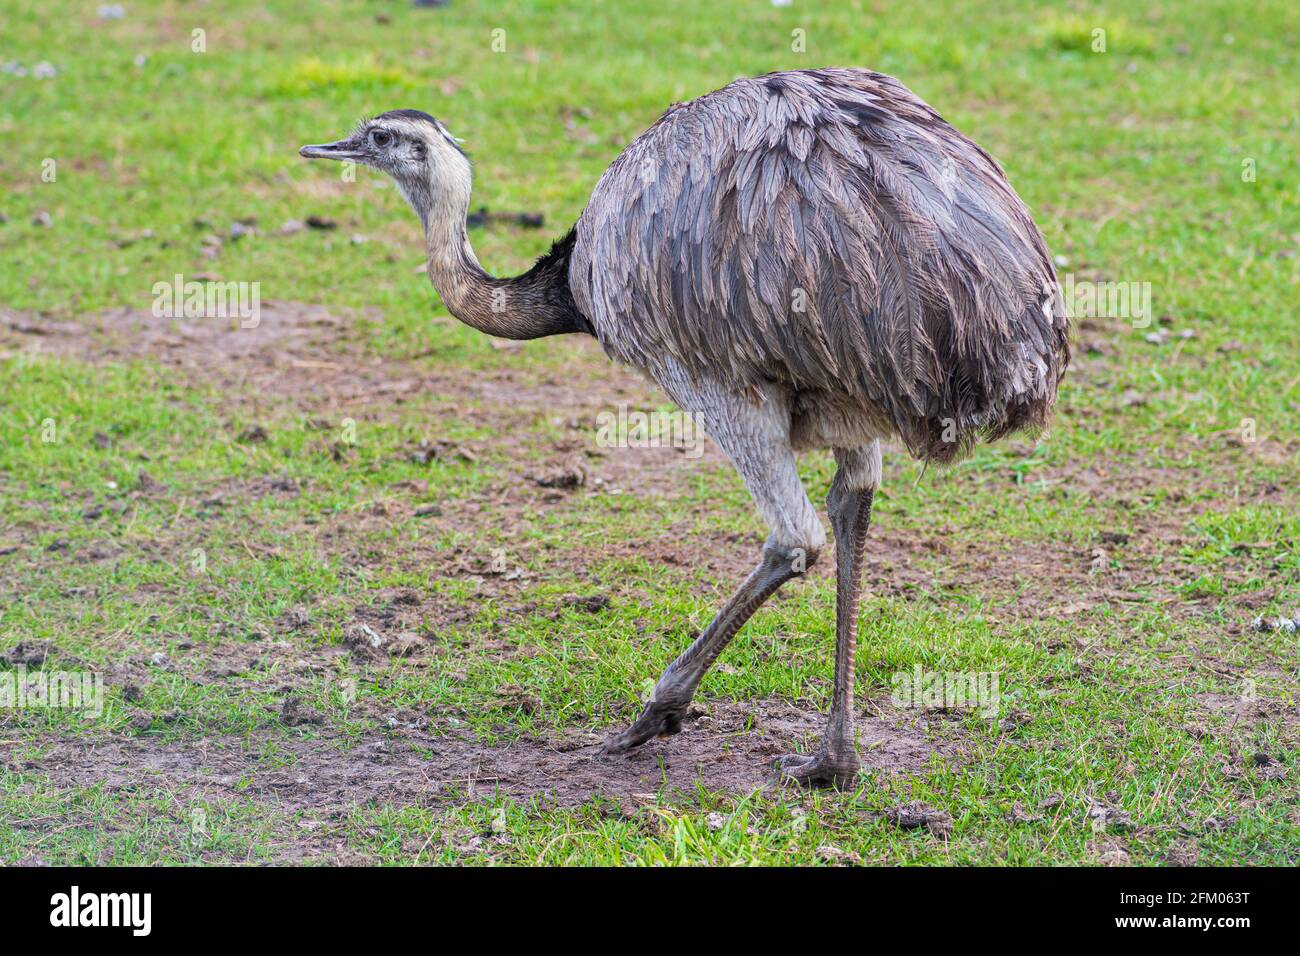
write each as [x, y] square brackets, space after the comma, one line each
[663, 714]
[836, 764]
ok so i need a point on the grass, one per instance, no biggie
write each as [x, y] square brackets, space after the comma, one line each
[1167, 159]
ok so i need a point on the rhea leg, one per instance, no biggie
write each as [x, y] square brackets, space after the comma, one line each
[674, 691]
[756, 437]
[836, 761]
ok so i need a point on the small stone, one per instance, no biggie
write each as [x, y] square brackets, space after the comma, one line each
[1267, 625]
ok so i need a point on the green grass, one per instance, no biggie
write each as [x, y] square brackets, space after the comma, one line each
[1132, 160]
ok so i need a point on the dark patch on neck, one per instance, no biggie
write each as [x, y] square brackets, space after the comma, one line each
[538, 303]
[548, 281]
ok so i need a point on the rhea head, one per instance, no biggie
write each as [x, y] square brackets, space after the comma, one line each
[418, 152]
[434, 176]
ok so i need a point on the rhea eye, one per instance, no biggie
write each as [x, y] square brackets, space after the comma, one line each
[381, 137]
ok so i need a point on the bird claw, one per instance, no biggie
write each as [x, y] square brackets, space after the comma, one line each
[819, 770]
[655, 721]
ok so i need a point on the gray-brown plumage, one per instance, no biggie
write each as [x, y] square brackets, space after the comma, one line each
[805, 259]
[928, 298]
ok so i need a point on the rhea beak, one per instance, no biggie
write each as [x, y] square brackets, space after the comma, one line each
[343, 149]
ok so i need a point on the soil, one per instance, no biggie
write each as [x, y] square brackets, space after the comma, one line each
[728, 746]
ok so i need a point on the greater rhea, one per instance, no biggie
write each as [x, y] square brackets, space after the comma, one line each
[806, 259]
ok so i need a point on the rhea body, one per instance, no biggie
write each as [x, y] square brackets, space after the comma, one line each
[808, 259]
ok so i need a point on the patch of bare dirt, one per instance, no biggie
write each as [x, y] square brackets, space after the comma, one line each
[730, 747]
[1246, 710]
[314, 357]
[204, 344]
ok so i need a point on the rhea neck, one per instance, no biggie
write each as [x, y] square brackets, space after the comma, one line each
[529, 306]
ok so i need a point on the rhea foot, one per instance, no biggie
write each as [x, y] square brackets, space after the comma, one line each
[657, 720]
[819, 769]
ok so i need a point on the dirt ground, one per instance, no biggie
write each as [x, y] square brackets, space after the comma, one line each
[726, 746]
